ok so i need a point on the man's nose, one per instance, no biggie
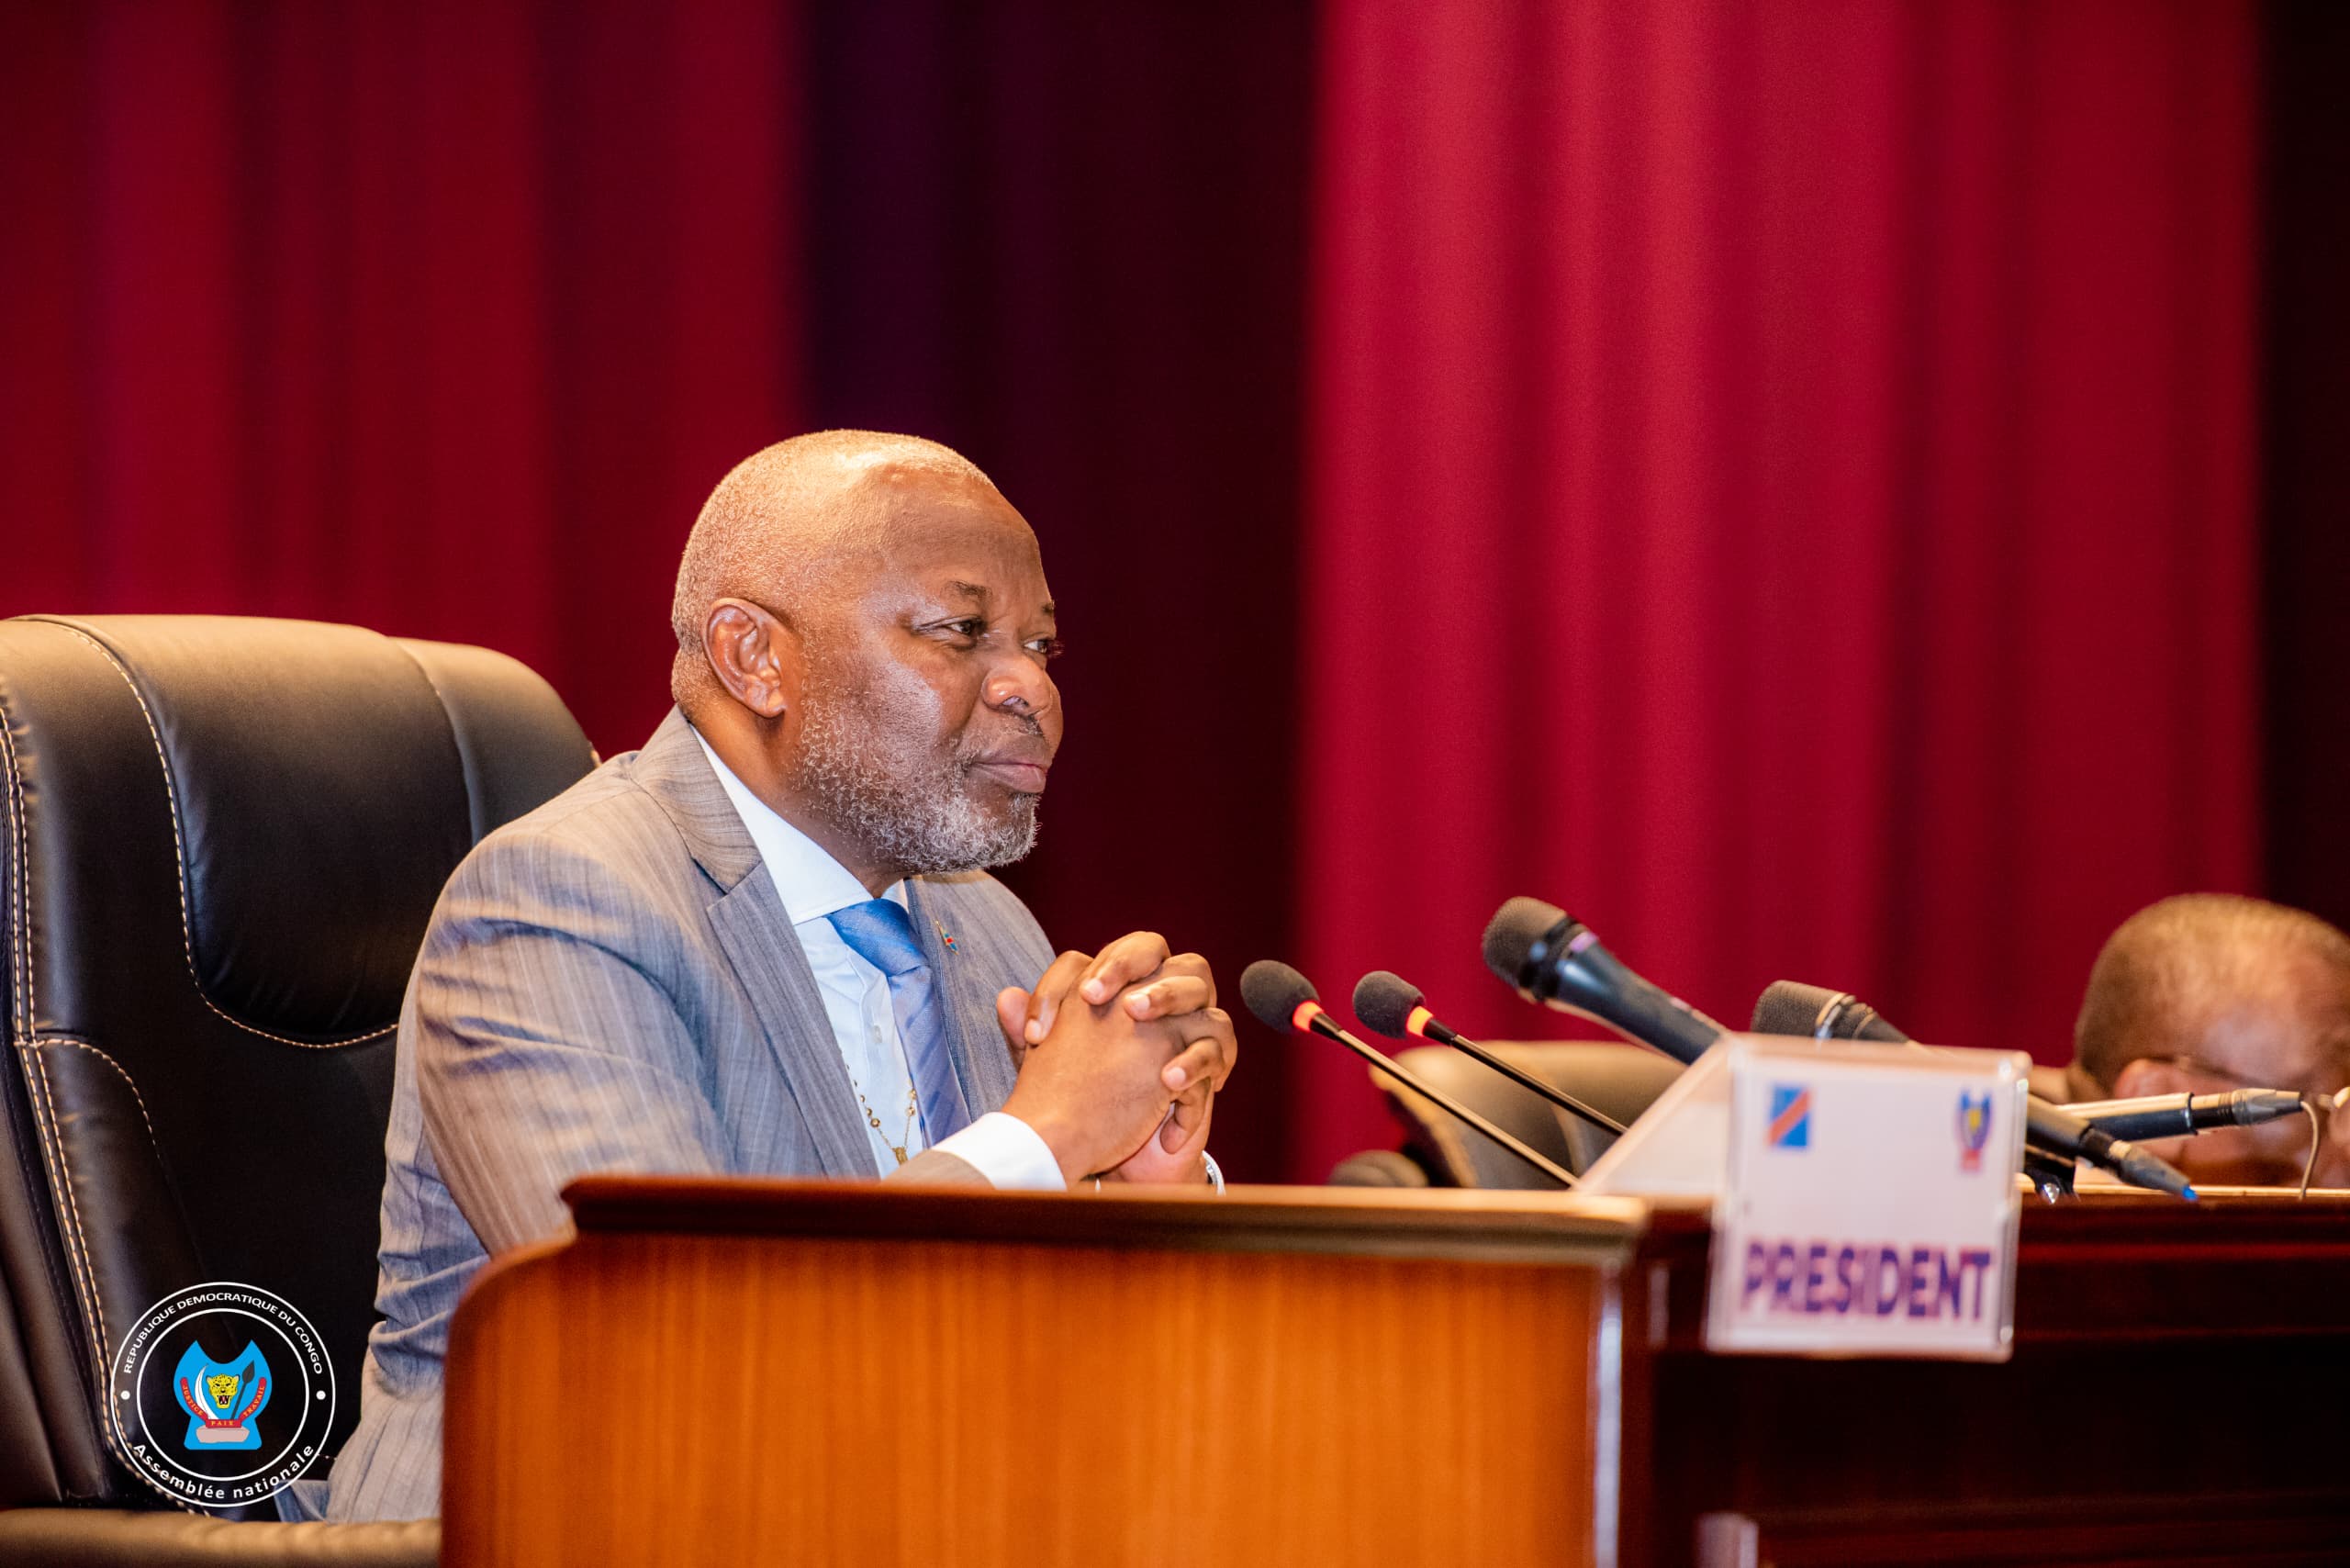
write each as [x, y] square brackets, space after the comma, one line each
[1020, 686]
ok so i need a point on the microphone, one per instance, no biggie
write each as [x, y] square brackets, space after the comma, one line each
[2174, 1116]
[1283, 999]
[1391, 1005]
[1790, 1007]
[1548, 956]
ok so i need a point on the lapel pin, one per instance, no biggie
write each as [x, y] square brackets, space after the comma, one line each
[945, 938]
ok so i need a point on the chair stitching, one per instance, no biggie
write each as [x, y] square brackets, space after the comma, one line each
[67, 1284]
[179, 865]
[84, 1279]
[21, 940]
[94, 1312]
[54, 1145]
[41, 1042]
[21, 966]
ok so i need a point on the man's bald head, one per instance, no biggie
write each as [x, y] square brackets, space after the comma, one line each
[863, 628]
[2217, 979]
[781, 528]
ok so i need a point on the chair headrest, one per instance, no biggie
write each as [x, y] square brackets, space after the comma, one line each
[297, 793]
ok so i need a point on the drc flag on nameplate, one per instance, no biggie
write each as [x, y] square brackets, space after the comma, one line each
[1790, 1125]
[1894, 1235]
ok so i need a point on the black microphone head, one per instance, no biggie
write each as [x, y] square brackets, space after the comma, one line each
[1514, 933]
[1274, 992]
[1383, 1001]
[1791, 1007]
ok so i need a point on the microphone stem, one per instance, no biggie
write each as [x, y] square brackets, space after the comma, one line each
[1447, 1103]
[1527, 1081]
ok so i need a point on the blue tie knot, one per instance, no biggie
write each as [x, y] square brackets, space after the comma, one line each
[881, 934]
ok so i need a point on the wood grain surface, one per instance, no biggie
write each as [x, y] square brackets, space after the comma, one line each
[984, 1379]
[775, 1372]
[2175, 1401]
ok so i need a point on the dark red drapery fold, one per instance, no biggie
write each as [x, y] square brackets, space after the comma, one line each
[443, 318]
[1066, 240]
[1781, 484]
[440, 318]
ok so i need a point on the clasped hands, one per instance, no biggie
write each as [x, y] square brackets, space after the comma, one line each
[1121, 1054]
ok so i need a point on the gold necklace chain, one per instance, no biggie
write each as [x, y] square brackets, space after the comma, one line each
[898, 1148]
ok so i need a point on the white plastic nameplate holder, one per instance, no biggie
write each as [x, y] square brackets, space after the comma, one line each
[1866, 1201]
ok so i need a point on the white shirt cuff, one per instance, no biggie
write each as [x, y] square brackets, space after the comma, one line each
[1010, 1153]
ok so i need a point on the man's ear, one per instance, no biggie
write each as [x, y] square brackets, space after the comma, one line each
[755, 656]
[2148, 1076]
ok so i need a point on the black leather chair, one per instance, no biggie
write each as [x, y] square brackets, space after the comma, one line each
[222, 840]
[1622, 1080]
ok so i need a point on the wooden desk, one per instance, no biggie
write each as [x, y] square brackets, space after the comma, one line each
[745, 1372]
[858, 1375]
[2179, 1394]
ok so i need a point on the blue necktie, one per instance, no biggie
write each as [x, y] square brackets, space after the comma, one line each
[883, 936]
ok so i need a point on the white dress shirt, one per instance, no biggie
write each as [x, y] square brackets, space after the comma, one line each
[812, 885]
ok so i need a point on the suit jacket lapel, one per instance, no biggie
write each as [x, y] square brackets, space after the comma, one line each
[982, 1060]
[759, 942]
[755, 935]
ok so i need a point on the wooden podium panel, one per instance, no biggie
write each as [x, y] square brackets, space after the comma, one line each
[857, 1375]
[2176, 1398]
[853, 1374]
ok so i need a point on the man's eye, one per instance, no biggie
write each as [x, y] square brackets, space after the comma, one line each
[1046, 648]
[970, 626]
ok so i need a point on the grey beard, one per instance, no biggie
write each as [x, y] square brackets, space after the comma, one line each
[906, 805]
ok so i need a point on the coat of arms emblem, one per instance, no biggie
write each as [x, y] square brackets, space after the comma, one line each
[1973, 1129]
[221, 1398]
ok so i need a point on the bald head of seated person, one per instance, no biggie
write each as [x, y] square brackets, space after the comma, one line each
[2207, 992]
[766, 942]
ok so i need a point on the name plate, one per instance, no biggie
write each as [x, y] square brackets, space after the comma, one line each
[1870, 1201]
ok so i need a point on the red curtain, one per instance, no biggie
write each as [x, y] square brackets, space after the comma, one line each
[1068, 241]
[441, 316]
[438, 318]
[1780, 474]
[1781, 486]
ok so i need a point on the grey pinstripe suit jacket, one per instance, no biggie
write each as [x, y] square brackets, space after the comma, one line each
[606, 986]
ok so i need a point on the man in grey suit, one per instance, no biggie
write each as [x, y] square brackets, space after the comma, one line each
[765, 943]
